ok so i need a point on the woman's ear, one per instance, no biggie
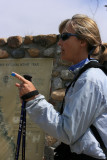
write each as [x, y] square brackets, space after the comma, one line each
[83, 43]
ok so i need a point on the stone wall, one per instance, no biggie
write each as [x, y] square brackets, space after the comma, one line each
[41, 46]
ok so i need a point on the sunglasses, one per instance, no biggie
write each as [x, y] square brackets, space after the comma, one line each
[65, 36]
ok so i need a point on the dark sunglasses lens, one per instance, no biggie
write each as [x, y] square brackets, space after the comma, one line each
[64, 37]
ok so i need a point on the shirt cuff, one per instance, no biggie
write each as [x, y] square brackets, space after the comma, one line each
[36, 99]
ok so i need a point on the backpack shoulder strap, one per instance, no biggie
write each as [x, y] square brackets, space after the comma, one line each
[91, 64]
[99, 139]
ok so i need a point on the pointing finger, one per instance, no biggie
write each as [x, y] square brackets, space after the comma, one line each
[21, 78]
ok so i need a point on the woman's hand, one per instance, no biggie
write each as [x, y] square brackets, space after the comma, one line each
[25, 86]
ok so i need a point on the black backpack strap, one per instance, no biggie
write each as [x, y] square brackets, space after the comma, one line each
[98, 138]
[91, 64]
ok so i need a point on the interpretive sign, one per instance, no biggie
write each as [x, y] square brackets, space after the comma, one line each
[10, 106]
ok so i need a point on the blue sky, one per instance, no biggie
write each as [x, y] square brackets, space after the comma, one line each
[34, 17]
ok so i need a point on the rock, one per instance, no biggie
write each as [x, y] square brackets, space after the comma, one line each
[18, 53]
[46, 40]
[55, 73]
[51, 39]
[65, 63]
[50, 140]
[58, 95]
[49, 52]
[28, 39]
[14, 41]
[3, 54]
[33, 52]
[57, 83]
[58, 50]
[3, 41]
[48, 153]
[67, 75]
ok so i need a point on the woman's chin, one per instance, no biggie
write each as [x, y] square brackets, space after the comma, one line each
[66, 60]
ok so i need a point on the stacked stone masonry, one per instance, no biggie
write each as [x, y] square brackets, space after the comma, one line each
[41, 46]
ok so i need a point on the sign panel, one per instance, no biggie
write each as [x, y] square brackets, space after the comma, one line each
[10, 106]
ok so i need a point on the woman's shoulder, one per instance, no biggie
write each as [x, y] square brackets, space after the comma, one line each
[94, 75]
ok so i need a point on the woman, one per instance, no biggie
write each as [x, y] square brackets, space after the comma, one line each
[85, 103]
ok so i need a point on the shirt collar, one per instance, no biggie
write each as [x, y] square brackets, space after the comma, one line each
[79, 65]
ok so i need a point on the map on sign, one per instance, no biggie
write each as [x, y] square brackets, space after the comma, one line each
[10, 106]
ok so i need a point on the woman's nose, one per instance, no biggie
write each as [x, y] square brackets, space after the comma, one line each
[59, 42]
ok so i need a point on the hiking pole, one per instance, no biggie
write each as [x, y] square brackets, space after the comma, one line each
[20, 131]
[22, 128]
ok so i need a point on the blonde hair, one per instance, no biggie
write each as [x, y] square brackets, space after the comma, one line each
[86, 29]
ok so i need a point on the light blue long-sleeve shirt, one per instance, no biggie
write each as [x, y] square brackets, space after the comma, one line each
[85, 104]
